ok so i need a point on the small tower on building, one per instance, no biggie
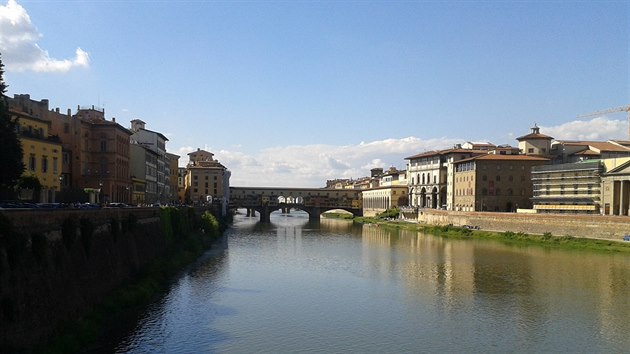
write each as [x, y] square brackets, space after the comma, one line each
[535, 143]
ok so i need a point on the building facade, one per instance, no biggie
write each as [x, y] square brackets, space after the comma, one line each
[615, 191]
[535, 143]
[568, 187]
[103, 157]
[207, 180]
[41, 155]
[430, 177]
[379, 199]
[156, 142]
[173, 175]
[494, 182]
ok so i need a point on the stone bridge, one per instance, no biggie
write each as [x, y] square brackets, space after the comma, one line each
[314, 201]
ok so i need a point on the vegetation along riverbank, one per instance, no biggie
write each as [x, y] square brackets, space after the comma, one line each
[390, 219]
[114, 316]
[72, 280]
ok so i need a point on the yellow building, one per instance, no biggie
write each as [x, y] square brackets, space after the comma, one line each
[379, 199]
[41, 154]
[207, 180]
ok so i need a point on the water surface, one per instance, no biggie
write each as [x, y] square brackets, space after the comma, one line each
[332, 287]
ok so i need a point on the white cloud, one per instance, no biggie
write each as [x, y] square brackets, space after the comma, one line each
[600, 128]
[312, 165]
[19, 48]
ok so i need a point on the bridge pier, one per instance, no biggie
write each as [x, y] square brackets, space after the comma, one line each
[265, 214]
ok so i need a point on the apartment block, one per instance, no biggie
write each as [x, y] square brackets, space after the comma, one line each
[494, 182]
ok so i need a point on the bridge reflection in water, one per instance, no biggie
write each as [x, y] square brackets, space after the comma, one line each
[314, 201]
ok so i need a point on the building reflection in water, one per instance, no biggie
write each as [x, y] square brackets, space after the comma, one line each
[522, 284]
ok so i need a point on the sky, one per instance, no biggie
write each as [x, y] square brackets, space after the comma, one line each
[293, 93]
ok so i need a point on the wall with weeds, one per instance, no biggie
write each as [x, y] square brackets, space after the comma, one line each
[57, 266]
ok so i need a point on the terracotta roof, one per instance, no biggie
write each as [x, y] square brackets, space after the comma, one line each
[445, 152]
[625, 143]
[533, 136]
[495, 157]
[587, 152]
[602, 146]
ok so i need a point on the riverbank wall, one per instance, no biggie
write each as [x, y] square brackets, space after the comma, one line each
[55, 266]
[588, 226]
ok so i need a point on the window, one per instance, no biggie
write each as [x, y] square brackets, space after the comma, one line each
[44, 164]
[530, 150]
[484, 178]
[103, 145]
[498, 178]
[55, 165]
[31, 162]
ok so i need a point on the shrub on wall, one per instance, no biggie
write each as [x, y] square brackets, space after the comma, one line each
[209, 224]
[166, 224]
[389, 214]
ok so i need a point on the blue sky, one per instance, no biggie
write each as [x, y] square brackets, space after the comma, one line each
[291, 93]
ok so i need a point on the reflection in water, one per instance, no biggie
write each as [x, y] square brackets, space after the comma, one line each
[334, 286]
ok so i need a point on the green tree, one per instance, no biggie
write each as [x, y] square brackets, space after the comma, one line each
[11, 151]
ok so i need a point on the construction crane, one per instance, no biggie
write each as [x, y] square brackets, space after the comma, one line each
[611, 110]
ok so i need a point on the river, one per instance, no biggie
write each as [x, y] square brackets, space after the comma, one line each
[334, 287]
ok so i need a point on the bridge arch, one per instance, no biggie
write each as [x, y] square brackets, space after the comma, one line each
[314, 201]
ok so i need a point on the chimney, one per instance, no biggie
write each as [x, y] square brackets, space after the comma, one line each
[114, 119]
[69, 112]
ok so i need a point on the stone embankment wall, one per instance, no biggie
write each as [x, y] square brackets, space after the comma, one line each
[590, 226]
[56, 265]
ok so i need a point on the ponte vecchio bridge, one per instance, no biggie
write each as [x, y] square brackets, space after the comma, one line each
[314, 201]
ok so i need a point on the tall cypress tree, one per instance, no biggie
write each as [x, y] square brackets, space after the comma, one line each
[11, 166]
